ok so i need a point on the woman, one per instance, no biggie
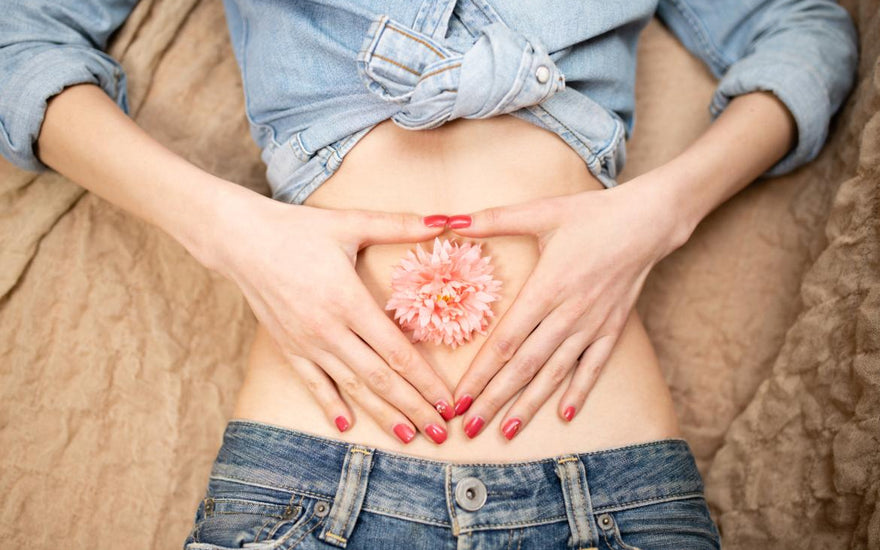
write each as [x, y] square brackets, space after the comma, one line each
[605, 466]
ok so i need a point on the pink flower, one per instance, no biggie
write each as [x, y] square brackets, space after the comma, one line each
[443, 297]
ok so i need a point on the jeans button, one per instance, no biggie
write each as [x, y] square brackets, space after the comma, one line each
[322, 509]
[470, 494]
[542, 74]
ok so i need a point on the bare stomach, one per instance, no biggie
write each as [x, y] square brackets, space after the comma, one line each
[460, 167]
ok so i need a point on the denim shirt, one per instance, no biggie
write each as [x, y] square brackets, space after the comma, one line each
[318, 75]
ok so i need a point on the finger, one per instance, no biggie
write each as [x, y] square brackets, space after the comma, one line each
[585, 375]
[532, 217]
[324, 390]
[542, 386]
[352, 385]
[386, 383]
[529, 359]
[383, 336]
[528, 309]
[367, 227]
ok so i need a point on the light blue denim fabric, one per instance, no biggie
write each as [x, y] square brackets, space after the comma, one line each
[318, 75]
[273, 488]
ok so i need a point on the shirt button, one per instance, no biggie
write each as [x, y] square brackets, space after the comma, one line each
[470, 494]
[542, 74]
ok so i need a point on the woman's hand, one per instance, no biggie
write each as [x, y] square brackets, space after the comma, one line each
[596, 249]
[295, 265]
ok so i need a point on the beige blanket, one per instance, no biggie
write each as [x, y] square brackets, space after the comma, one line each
[120, 355]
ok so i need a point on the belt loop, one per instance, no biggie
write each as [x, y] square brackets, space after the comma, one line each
[349, 496]
[578, 504]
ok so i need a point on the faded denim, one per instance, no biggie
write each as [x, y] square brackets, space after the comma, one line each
[318, 75]
[275, 488]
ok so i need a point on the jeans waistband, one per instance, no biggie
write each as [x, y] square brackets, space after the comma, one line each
[570, 487]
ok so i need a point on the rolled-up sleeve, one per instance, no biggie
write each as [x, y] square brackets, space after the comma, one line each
[803, 51]
[45, 46]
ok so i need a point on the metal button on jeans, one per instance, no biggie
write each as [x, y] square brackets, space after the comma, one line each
[322, 509]
[470, 494]
[542, 74]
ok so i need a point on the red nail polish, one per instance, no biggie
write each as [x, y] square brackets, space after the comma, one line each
[568, 413]
[341, 423]
[445, 410]
[436, 220]
[473, 426]
[459, 222]
[404, 432]
[463, 404]
[511, 427]
[436, 433]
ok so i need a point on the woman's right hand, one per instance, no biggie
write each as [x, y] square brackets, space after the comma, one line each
[295, 266]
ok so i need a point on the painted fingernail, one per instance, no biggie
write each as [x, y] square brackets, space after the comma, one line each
[568, 413]
[341, 423]
[473, 426]
[436, 433]
[459, 222]
[463, 405]
[511, 427]
[404, 432]
[436, 220]
[445, 410]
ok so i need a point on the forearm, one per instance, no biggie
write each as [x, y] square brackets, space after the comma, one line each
[750, 136]
[86, 137]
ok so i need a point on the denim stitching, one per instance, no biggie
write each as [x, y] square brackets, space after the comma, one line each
[337, 537]
[393, 62]
[571, 132]
[397, 514]
[361, 468]
[645, 501]
[309, 494]
[417, 39]
[438, 71]
[545, 521]
[304, 535]
[618, 538]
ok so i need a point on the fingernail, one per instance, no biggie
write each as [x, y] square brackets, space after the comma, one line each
[436, 433]
[473, 426]
[341, 423]
[463, 405]
[445, 410]
[459, 222]
[436, 220]
[568, 413]
[404, 432]
[511, 427]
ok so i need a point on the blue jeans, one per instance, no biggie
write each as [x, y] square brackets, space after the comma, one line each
[284, 489]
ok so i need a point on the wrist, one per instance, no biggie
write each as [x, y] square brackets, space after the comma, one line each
[207, 219]
[664, 208]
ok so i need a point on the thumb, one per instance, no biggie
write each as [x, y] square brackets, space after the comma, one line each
[368, 227]
[533, 217]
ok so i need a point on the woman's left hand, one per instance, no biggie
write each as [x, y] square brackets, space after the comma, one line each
[596, 249]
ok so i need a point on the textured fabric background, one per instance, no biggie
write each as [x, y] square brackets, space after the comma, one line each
[120, 355]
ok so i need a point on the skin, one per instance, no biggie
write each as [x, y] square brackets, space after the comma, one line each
[568, 309]
[352, 347]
